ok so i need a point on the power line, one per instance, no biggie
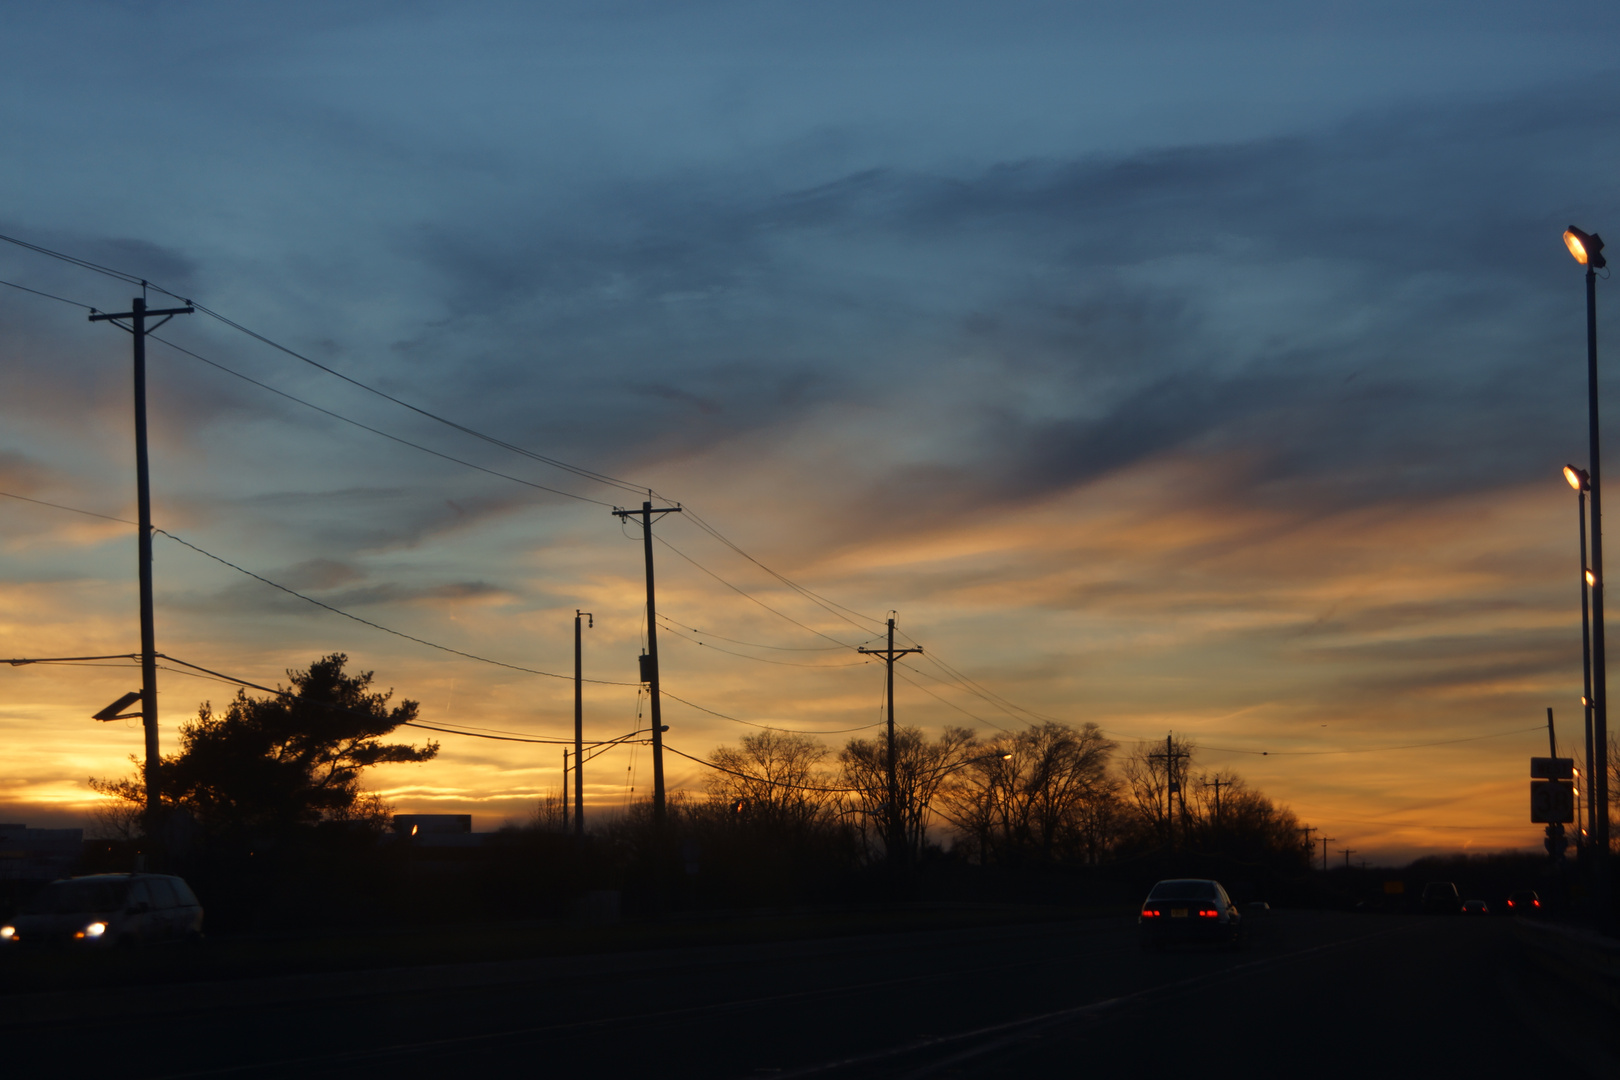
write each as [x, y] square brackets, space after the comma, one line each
[69, 509]
[761, 779]
[376, 431]
[255, 335]
[85, 263]
[947, 701]
[750, 596]
[404, 723]
[1371, 749]
[768, 727]
[832, 607]
[761, 659]
[20, 661]
[48, 296]
[378, 626]
[756, 644]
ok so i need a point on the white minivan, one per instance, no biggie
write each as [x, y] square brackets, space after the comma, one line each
[107, 909]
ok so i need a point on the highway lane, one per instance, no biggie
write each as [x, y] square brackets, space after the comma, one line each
[1013, 1000]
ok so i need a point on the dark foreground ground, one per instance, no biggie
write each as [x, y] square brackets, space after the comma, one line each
[1315, 994]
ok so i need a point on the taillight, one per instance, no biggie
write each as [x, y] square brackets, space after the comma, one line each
[1536, 902]
[1208, 913]
[1150, 913]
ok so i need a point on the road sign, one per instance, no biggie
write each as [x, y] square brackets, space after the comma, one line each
[1552, 768]
[1552, 801]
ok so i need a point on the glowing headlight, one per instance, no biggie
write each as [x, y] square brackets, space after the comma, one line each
[95, 929]
[7, 933]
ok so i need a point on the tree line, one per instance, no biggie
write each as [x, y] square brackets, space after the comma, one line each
[1052, 793]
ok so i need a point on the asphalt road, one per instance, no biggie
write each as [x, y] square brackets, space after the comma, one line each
[1314, 993]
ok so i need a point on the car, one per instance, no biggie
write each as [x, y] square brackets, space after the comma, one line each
[1441, 898]
[1524, 902]
[103, 910]
[1475, 907]
[1189, 910]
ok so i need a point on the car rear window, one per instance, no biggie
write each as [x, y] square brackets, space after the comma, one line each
[1183, 890]
[183, 893]
[75, 897]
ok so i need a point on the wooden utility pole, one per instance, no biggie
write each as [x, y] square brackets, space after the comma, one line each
[895, 830]
[1217, 784]
[1326, 840]
[1172, 786]
[579, 734]
[137, 316]
[651, 667]
[1347, 852]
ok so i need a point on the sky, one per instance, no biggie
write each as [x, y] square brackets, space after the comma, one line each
[1172, 367]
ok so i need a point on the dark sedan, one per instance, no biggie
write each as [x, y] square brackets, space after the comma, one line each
[1189, 910]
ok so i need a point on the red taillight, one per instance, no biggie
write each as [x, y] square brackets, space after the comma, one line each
[1510, 903]
[1536, 902]
[1150, 913]
[1208, 913]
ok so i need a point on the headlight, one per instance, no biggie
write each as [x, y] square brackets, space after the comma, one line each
[94, 930]
[7, 933]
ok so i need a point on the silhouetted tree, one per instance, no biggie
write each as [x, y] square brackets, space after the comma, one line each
[774, 777]
[1044, 793]
[268, 765]
[922, 765]
[1614, 788]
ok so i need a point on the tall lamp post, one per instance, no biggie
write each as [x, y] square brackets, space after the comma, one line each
[1587, 248]
[1581, 481]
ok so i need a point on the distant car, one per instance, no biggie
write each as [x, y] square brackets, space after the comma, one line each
[1524, 902]
[1190, 910]
[1256, 907]
[1441, 898]
[1475, 907]
[103, 910]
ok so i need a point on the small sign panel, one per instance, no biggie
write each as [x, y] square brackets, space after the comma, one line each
[1552, 768]
[1552, 801]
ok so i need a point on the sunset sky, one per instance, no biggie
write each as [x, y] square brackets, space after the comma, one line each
[1176, 367]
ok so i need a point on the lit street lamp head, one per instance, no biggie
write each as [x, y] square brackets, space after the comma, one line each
[1591, 578]
[1579, 479]
[1586, 247]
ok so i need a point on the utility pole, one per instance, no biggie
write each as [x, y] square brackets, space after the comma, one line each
[1326, 840]
[1217, 783]
[565, 790]
[1347, 852]
[1310, 845]
[579, 736]
[1172, 786]
[651, 677]
[894, 841]
[137, 315]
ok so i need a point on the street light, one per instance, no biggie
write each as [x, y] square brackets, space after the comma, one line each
[1587, 248]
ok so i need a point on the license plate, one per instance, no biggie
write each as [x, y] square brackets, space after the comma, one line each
[1178, 913]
